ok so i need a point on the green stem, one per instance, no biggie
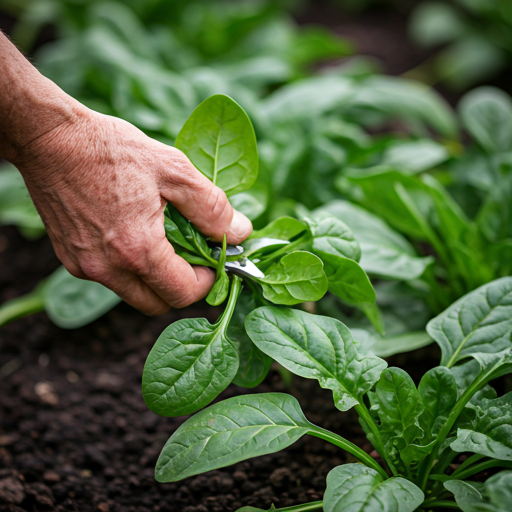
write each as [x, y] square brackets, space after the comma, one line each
[19, 307]
[477, 468]
[364, 414]
[426, 467]
[445, 460]
[441, 504]
[292, 246]
[236, 288]
[359, 454]
[468, 462]
[306, 507]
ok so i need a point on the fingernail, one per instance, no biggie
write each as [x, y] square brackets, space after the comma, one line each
[241, 226]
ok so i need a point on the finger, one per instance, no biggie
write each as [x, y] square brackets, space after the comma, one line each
[172, 278]
[135, 292]
[200, 201]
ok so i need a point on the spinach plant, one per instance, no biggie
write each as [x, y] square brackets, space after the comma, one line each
[193, 360]
[417, 431]
[69, 302]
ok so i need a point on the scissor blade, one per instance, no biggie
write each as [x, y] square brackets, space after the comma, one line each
[249, 269]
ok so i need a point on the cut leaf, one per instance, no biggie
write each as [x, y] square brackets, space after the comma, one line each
[231, 431]
[356, 488]
[481, 321]
[219, 140]
[315, 347]
[298, 277]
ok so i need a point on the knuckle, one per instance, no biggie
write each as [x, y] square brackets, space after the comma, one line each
[92, 269]
[74, 269]
[128, 255]
[217, 204]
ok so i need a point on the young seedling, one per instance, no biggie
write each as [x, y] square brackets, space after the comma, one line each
[295, 261]
[417, 431]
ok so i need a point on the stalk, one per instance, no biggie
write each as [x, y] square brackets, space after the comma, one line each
[473, 470]
[306, 507]
[468, 462]
[441, 504]
[236, 288]
[19, 307]
[292, 246]
[364, 414]
[359, 454]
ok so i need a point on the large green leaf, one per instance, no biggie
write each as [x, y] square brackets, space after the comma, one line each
[384, 252]
[331, 235]
[72, 303]
[415, 156]
[487, 114]
[494, 495]
[347, 280]
[356, 488]
[219, 140]
[297, 277]
[315, 347]
[230, 431]
[190, 364]
[284, 228]
[490, 433]
[481, 321]
[399, 408]
[438, 393]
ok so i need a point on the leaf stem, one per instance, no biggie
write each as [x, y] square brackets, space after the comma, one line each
[236, 288]
[19, 307]
[468, 462]
[306, 507]
[364, 414]
[441, 504]
[357, 452]
[473, 470]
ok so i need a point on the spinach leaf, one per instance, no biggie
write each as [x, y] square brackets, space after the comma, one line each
[438, 393]
[359, 489]
[219, 139]
[480, 321]
[315, 347]
[297, 277]
[191, 363]
[347, 280]
[494, 495]
[487, 114]
[72, 302]
[232, 430]
[415, 156]
[384, 252]
[490, 433]
[284, 228]
[332, 236]
[399, 407]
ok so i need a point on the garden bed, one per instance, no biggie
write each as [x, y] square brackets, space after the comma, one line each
[75, 434]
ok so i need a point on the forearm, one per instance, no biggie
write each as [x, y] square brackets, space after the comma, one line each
[31, 106]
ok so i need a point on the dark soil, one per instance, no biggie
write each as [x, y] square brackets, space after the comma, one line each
[75, 434]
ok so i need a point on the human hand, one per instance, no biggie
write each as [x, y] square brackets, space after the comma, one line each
[101, 186]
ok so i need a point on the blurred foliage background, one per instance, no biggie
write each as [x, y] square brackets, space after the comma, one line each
[340, 95]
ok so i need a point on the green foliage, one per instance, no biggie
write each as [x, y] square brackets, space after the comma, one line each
[417, 431]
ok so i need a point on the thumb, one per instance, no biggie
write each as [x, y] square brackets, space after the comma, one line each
[203, 203]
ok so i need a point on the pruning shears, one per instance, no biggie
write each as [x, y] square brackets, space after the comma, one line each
[239, 265]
